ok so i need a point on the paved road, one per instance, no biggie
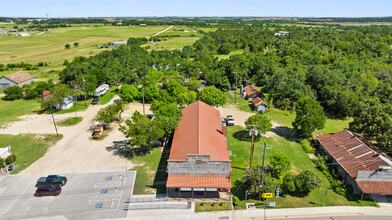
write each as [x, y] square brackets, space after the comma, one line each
[344, 218]
[85, 196]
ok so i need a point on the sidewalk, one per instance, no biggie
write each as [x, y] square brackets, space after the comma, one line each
[384, 210]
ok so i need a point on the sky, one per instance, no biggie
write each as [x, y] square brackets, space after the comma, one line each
[193, 8]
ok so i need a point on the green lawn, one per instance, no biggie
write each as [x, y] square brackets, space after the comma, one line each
[227, 56]
[151, 171]
[240, 148]
[172, 43]
[70, 121]
[28, 147]
[49, 47]
[108, 96]
[212, 206]
[11, 110]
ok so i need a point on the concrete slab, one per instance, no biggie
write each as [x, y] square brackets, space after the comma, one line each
[85, 196]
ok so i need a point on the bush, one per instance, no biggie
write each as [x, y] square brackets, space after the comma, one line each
[307, 181]
[306, 146]
[2, 163]
[13, 92]
[288, 185]
[10, 158]
[30, 93]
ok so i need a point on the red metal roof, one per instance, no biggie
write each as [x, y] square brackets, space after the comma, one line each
[382, 187]
[45, 93]
[350, 152]
[199, 133]
[250, 89]
[19, 77]
[258, 101]
[198, 182]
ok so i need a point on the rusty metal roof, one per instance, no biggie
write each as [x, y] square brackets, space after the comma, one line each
[258, 101]
[250, 89]
[19, 77]
[350, 152]
[381, 187]
[199, 133]
[198, 182]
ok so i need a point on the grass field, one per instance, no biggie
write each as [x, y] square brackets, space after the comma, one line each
[28, 147]
[240, 148]
[70, 121]
[172, 43]
[11, 110]
[49, 47]
[212, 206]
[227, 56]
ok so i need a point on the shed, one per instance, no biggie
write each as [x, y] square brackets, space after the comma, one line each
[251, 92]
[16, 79]
[143, 25]
[119, 43]
[259, 105]
[23, 35]
[67, 103]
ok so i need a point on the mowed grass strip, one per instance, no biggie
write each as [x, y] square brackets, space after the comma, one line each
[108, 96]
[172, 43]
[49, 47]
[11, 110]
[70, 121]
[28, 147]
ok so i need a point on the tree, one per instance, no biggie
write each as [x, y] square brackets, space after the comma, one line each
[167, 116]
[30, 93]
[279, 163]
[262, 121]
[151, 92]
[212, 96]
[307, 181]
[251, 183]
[76, 44]
[67, 46]
[309, 117]
[106, 115]
[129, 93]
[142, 130]
[13, 92]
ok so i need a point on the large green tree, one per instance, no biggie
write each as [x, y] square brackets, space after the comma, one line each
[309, 117]
[129, 93]
[13, 92]
[262, 122]
[212, 96]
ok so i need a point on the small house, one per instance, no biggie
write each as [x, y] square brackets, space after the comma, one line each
[67, 103]
[284, 33]
[16, 79]
[143, 25]
[23, 35]
[259, 105]
[251, 92]
[119, 24]
[2, 31]
[119, 43]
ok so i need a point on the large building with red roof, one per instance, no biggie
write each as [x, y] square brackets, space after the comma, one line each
[16, 79]
[368, 171]
[199, 162]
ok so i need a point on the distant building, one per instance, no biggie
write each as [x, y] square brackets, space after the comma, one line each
[143, 25]
[16, 79]
[367, 171]
[199, 163]
[119, 24]
[2, 31]
[119, 43]
[251, 92]
[67, 103]
[23, 35]
[259, 105]
[279, 33]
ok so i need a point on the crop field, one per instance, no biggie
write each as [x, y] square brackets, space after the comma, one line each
[49, 47]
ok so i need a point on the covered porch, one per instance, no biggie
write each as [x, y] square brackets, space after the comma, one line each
[199, 188]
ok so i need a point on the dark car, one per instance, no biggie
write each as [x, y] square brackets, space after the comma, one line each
[48, 190]
[95, 101]
[52, 180]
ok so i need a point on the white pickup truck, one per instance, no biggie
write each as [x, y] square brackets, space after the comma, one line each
[230, 120]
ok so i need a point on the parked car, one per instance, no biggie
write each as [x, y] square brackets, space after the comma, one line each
[98, 132]
[55, 180]
[48, 190]
[95, 101]
[229, 120]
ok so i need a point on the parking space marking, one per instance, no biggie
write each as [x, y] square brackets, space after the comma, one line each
[107, 184]
[104, 191]
[98, 205]
[104, 198]
[109, 178]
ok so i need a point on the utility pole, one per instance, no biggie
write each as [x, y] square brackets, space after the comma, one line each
[84, 90]
[143, 99]
[54, 122]
[262, 168]
[252, 132]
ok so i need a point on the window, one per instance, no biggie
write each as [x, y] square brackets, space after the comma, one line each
[198, 161]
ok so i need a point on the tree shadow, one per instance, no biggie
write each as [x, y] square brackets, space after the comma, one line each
[243, 135]
[285, 132]
[125, 149]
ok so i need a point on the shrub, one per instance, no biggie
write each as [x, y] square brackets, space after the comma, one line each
[289, 183]
[306, 146]
[2, 163]
[307, 181]
[13, 92]
[10, 158]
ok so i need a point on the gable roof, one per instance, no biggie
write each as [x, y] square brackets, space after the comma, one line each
[251, 89]
[19, 77]
[258, 101]
[199, 133]
[351, 152]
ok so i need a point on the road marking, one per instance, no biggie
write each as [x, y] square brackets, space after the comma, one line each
[104, 198]
[107, 184]
[113, 204]
[109, 178]
[98, 205]
[104, 191]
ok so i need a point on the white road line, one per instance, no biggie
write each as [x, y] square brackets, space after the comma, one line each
[104, 198]
[113, 204]
[109, 184]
